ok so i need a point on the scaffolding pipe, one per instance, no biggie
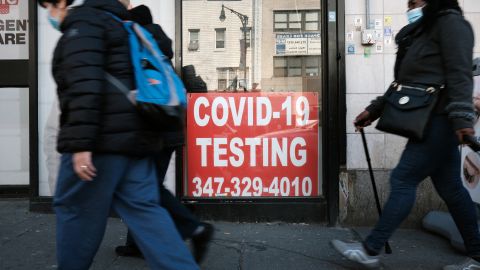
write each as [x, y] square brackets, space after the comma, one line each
[367, 15]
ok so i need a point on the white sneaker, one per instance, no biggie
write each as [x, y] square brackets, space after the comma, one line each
[468, 264]
[356, 252]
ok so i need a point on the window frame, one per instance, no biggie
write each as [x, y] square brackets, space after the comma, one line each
[222, 76]
[217, 31]
[316, 21]
[191, 42]
[317, 66]
[289, 66]
[303, 20]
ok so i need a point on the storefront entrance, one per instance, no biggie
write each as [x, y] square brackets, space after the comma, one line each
[264, 136]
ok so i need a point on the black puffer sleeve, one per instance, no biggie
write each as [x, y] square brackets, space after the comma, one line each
[457, 41]
[376, 107]
[83, 54]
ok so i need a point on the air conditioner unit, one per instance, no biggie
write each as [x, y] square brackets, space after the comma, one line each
[193, 46]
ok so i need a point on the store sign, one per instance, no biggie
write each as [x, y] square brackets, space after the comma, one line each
[298, 44]
[14, 29]
[252, 145]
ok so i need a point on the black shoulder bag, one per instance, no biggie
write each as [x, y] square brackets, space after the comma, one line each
[408, 109]
[408, 106]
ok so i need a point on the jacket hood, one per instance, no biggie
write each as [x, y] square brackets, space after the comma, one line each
[113, 6]
[141, 15]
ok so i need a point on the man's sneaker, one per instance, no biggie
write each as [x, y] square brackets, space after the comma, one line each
[201, 240]
[468, 264]
[356, 252]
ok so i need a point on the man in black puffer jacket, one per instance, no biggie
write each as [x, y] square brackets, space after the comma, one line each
[106, 147]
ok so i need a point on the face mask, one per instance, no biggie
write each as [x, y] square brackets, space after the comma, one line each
[415, 14]
[55, 22]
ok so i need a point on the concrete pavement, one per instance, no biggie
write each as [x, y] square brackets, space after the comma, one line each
[27, 243]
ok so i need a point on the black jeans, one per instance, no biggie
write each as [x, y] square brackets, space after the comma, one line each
[184, 220]
[437, 156]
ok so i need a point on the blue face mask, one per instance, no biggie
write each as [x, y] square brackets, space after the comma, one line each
[415, 14]
[55, 22]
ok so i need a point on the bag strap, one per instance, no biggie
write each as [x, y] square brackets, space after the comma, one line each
[110, 78]
[116, 18]
[117, 83]
[129, 94]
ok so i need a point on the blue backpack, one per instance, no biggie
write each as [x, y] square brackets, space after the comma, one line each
[160, 95]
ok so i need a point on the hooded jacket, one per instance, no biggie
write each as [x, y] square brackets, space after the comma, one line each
[95, 115]
[173, 135]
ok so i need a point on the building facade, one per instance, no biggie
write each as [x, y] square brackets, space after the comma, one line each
[369, 70]
[269, 134]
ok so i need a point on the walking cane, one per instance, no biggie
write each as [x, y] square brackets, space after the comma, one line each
[388, 249]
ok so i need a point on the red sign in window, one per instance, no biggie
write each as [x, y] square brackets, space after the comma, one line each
[252, 145]
[5, 5]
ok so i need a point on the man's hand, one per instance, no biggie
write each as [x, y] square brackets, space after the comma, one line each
[362, 120]
[83, 166]
[464, 132]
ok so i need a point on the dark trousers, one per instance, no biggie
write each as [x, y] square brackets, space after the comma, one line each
[129, 187]
[184, 220]
[436, 156]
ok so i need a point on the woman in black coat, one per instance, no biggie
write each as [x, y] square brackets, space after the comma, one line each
[434, 50]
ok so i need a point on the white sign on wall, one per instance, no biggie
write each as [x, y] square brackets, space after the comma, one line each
[298, 44]
[14, 29]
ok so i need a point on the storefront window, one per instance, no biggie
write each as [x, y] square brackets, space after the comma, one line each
[255, 131]
[14, 132]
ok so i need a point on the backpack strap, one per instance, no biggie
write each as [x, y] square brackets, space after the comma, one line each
[129, 94]
[116, 18]
[117, 83]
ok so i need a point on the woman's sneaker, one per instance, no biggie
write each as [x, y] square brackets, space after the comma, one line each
[356, 252]
[468, 264]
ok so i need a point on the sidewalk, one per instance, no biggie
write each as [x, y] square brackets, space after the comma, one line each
[27, 243]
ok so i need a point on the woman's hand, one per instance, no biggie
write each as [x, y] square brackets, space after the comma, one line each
[83, 166]
[464, 132]
[362, 120]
